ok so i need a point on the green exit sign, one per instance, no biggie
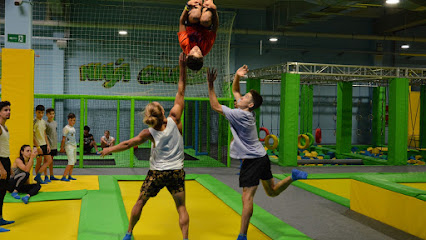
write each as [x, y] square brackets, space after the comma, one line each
[17, 38]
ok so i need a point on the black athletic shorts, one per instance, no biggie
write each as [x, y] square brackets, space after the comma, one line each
[53, 152]
[255, 169]
[174, 180]
[44, 149]
[87, 149]
[6, 165]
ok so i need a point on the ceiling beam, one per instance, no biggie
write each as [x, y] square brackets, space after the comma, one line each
[399, 21]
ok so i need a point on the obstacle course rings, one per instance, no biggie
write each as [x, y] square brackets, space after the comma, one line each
[264, 129]
[274, 145]
[303, 141]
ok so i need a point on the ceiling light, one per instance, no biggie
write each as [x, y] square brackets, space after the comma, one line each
[122, 32]
[405, 46]
[273, 39]
[392, 1]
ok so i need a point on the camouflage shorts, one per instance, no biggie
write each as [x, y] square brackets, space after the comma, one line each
[174, 180]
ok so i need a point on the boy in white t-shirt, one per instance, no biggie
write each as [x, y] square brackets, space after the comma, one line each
[107, 140]
[42, 144]
[69, 145]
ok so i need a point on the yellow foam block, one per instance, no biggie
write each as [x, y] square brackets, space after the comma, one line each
[18, 88]
[89, 182]
[375, 151]
[339, 187]
[397, 210]
[421, 186]
[210, 218]
[42, 220]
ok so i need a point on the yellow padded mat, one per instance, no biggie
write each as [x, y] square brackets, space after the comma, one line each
[340, 187]
[395, 209]
[89, 182]
[210, 218]
[42, 220]
[421, 186]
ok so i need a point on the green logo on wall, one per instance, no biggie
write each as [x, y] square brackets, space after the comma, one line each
[16, 38]
[118, 71]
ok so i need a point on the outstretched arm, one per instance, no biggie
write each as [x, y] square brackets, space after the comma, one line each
[214, 103]
[242, 71]
[143, 136]
[179, 105]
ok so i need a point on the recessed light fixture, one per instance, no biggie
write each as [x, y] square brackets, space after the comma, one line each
[392, 1]
[122, 32]
[405, 46]
[273, 39]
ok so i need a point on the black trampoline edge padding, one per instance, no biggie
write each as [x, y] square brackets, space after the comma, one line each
[331, 161]
[366, 159]
[87, 162]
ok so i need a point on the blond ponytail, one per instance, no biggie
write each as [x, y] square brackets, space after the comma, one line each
[153, 114]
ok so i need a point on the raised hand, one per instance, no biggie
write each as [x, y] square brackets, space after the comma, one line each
[104, 152]
[242, 71]
[34, 153]
[211, 75]
[209, 4]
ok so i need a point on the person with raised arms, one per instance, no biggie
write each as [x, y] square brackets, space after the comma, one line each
[246, 146]
[166, 160]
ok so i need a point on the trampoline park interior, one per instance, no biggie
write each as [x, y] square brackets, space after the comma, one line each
[342, 101]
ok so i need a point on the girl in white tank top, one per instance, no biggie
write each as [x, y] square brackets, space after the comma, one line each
[167, 148]
[166, 160]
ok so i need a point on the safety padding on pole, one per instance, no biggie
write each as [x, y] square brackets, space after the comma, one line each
[398, 116]
[289, 119]
[423, 116]
[344, 118]
[18, 88]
